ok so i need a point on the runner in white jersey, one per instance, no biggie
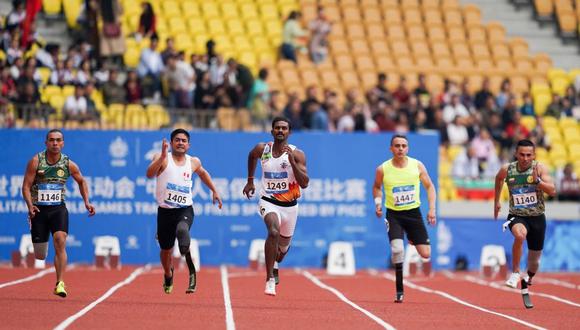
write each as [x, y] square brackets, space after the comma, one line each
[173, 194]
[283, 174]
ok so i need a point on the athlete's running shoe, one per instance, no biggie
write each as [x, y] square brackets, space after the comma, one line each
[192, 283]
[60, 290]
[270, 287]
[399, 297]
[276, 276]
[512, 282]
[168, 283]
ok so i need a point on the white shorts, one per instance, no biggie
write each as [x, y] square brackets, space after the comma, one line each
[287, 216]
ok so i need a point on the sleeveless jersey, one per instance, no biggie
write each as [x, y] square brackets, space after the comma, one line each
[278, 181]
[174, 184]
[48, 187]
[525, 199]
[401, 185]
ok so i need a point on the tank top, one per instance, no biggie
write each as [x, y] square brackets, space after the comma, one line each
[48, 187]
[525, 199]
[278, 181]
[174, 184]
[401, 185]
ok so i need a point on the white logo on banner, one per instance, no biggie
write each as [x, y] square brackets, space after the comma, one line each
[155, 148]
[118, 149]
[132, 243]
[444, 243]
[71, 241]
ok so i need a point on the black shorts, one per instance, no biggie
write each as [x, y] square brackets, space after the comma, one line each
[50, 219]
[167, 220]
[536, 228]
[410, 222]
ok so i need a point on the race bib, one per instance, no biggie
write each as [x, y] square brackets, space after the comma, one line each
[524, 197]
[276, 182]
[404, 195]
[49, 194]
[176, 195]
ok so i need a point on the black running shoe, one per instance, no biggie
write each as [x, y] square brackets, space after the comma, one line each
[276, 276]
[399, 298]
[168, 283]
[192, 283]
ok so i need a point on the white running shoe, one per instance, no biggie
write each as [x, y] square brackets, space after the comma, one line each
[270, 287]
[512, 282]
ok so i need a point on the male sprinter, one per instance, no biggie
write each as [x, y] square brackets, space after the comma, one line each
[527, 182]
[400, 177]
[43, 190]
[283, 174]
[173, 193]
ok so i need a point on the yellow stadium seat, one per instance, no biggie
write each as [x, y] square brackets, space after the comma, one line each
[571, 134]
[229, 10]
[549, 122]
[51, 7]
[495, 32]
[559, 84]
[131, 57]
[216, 27]
[177, 25]
[190, 9]
[568, 122]
[170, 8]
[236, 27]
[210, 10]
[57, 102]
[574, 73]
[254, 28]
[249, 11]
[529, 122]
[72, 9]
[274, 28]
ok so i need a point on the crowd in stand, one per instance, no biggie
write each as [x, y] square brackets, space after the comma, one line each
[482, 121]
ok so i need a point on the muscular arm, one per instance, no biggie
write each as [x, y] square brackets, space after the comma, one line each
[83, 187]
[29, 176]
[298, 163]
[431, 193]
[253, 157]
[157, 166]
[206, 179]
[378, 191]
[547, 184]
[499, 180]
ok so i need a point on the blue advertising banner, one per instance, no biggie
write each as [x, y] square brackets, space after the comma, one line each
[337, 205]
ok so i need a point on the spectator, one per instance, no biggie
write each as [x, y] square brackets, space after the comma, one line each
[217, 70]
[17, 68]
[293, 111]
[113, 92]
[318, 118]
[8, 89]
[465, 96]
[402, 94]
[92, 112]
[457, 132]
[466, 165]
[147, 22]
[169, 50]
[13, 52]
[311, 97]
[422, 93]
[84, 75]
[382, 90]
[555, 108]
[505, 93]
[239, 81]
[320, 28]
[482, 95]
[204, 97]
[150, 68]
[181, 81]
[75, 106]
[259, 100]
[515, 131]
[16, 16]
[527, 109]
[112, 41]
[292, 35]
[483, 146]
[455, 110]
[568, 185]
[133, 88]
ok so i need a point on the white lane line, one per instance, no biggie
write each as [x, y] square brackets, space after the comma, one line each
[557, 282]
[479, 281]
[462, 302]
[107, 294]
[230, 325]
[337, 293]
[34, 277]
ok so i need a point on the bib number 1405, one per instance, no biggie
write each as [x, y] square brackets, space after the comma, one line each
[179, 199]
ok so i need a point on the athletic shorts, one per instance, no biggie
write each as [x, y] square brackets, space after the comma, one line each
[536, 228]
[50, 219]
[167, 220]
[409, 222]
[287, 215]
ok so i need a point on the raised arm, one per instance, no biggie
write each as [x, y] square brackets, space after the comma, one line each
[206, 179]
[431, 193]
[545, 182]
[29, 176]
[499, 180]
[83, 187]
[378, 191]
[253, 157]
[159, 161]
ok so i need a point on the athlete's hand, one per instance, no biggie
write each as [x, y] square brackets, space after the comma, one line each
[249, 189]
[32, 212]
[535, 173]
[379, 210]
[290, 152]
[164, 147]
[496, 209]
[431, 218]
[90, 208]
[216, 198]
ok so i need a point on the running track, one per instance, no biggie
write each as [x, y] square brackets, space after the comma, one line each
[232, 298]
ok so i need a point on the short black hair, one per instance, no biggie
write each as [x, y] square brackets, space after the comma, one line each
[179, 131]
[525, 143]
[280, 118]
[399, 136]
[54, 130]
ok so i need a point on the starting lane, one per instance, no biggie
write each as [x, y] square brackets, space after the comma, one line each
[32, 305]
[420, 310]
[299, 304]
[143, 304]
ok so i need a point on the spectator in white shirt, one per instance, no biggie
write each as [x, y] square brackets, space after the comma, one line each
[75, 106]
[150, 68]
[455, 109]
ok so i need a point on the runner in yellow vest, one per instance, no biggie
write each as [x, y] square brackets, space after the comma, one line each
[400, 177]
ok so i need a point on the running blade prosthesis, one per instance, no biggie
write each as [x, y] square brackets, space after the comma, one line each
[526, 295]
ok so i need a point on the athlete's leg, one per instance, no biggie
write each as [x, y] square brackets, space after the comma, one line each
[424, 250]
[165, 256]
[533, 263]
[535, 238]
[520, 232]
[271, 246]
[40, 250]
[283, 247]
[60, 257]
[184, 240]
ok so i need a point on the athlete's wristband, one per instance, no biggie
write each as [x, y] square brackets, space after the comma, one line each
[378, 200]
[538, 180]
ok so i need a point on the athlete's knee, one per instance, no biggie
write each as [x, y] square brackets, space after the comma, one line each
[40, 250]
[59, 239]
[273, 233]
[424, 251]
[283, 247]
[182, 234]
[534, 260]
[397, 251]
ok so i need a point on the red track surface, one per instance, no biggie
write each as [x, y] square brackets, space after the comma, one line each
[299, 304]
